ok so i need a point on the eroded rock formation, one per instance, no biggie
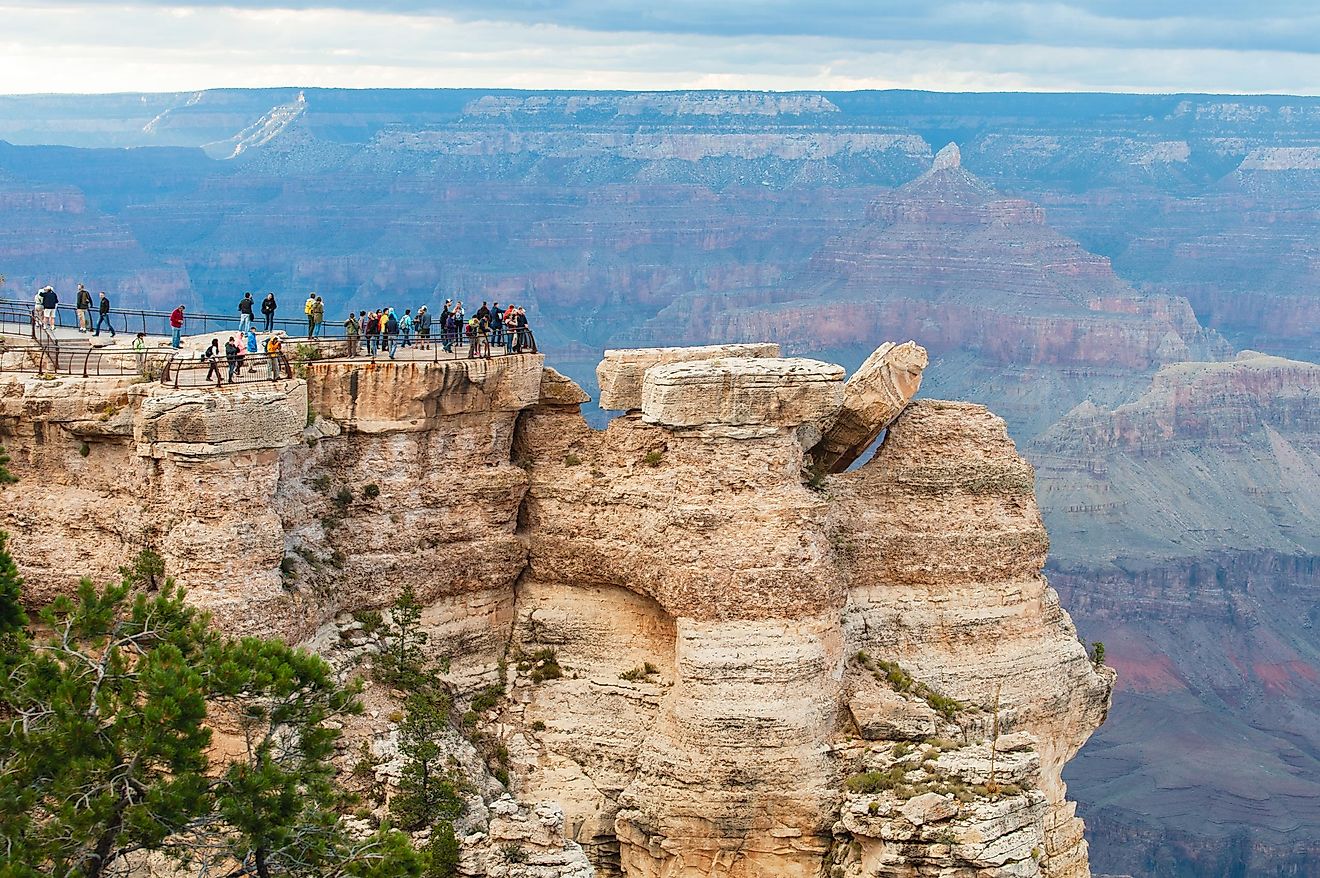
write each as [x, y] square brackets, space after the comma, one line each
[760, 670]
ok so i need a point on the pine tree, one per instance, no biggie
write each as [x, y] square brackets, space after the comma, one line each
[104, 747]
[12, 617]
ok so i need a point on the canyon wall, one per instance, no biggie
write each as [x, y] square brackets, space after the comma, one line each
[761, 669]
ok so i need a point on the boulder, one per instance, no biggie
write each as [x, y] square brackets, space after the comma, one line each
[620, 374]
[883, 715]
[743, 392]
[874, 396]
[929, 808]
[559, 389]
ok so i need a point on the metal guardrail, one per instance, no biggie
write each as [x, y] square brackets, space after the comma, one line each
[51, 357]
[247, 369]
[148, 322]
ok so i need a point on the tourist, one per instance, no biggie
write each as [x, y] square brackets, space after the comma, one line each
[38, 309]
[391, 331]
[103, 316]
[423, 328]
[483, 313]
[351, 330]
[250, 339]
[496, 325]
[273, 347]
[371, 329]
[510, 327]
[245, 313]
[140, 352]
[318, 314]
[406, 327]
[268, 311]
[231, 358]
[48, 302]
[212, 358]
[307, 310]
[445, 314]
[84, 306]
[176, 328]
[520, 327]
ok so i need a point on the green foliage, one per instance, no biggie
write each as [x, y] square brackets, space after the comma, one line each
[84, 449]
[371, 621]
[12, 618]
[876, 781]
[6, 477]
[638, 674]
[428, 792]
[321, 483]
[147, 570]
[442, 853]
[402, 660]
[513, 853]
[545, 665]
[654, 458]
[344, 498]
[903, 682]
[112, 756]
[571, 459]
[1097, 653]
[371, 491]
[487, 699]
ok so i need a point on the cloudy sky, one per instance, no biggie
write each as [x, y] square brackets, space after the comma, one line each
[1108, 45]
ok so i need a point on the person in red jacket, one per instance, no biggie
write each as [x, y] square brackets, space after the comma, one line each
[176, 327]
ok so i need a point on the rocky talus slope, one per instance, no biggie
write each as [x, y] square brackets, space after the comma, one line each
[761, 669]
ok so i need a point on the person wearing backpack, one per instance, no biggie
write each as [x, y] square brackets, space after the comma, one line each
[212, 358]
[244, 313]
[268, 310]
[308, 310]
[406, 327]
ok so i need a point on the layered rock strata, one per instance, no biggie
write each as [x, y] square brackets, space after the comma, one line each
[744, 653]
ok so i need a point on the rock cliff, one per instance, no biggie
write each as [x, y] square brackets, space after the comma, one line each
[760, 669]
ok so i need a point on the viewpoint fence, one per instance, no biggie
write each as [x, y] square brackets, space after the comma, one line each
[133, 321]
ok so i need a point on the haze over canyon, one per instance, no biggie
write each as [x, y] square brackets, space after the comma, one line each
[1131, 282]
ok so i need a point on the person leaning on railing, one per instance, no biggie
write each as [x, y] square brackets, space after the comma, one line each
[140, 352]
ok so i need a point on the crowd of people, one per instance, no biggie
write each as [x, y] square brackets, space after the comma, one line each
[382, 330]
[489, 326]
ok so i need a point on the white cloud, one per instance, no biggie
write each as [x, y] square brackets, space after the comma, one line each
[106, 48]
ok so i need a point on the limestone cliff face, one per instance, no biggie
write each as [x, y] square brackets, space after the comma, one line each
[766, 671]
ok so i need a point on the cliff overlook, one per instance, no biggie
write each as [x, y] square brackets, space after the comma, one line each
[765, 663]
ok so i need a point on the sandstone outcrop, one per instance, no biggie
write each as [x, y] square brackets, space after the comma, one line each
[621, 373]
[743, 393]
[694, 644]
[875, 394]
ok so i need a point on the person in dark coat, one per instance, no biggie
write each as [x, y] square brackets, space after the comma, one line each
[103, 315]
[268, 309]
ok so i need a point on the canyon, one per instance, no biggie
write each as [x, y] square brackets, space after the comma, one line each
[1099, 270]
[715, 709]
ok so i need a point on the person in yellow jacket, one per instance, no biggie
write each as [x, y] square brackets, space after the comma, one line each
[273, 348]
